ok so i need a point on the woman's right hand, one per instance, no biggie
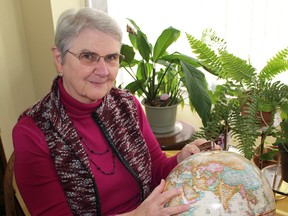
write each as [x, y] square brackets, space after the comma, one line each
[154, 203]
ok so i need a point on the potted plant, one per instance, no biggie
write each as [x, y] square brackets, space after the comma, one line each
[160, 78]
[245, 95]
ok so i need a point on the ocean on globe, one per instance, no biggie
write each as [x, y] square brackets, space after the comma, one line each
[221, 183]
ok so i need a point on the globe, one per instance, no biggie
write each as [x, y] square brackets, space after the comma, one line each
[218, 183]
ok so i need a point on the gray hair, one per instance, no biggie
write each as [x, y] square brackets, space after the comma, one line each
[72, 22]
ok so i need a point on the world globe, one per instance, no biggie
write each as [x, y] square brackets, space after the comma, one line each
[222, 183]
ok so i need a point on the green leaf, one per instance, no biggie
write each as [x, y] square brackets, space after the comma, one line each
[275, 65]
[269, 155]
[143, 46]
[134, 24]
[133, 87]
[177, 57]
[196, 84]
[167, 37]
[133, 40]
[236, 68]
[207, 57]
[140, 41]
[128, 52]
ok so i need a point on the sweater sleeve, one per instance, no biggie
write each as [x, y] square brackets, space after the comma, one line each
[34, 170]
[161, 165]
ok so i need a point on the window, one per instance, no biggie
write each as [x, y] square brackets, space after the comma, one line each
[253, 29]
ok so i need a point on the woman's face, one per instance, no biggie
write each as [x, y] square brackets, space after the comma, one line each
[88, 83]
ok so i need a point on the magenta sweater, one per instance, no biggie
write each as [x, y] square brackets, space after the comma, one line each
[37, 179]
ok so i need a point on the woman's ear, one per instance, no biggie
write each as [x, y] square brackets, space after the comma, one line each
[57, 58]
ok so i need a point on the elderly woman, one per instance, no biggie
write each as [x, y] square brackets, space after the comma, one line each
[86, 148]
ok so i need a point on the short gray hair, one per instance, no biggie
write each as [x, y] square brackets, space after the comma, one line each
[72, 22]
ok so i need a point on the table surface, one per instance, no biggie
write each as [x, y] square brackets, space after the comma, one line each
[175, 140]
[282, 207]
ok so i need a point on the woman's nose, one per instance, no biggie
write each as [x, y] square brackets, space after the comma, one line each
[102, 68]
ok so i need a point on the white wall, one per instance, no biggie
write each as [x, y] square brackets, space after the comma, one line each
[16, 85]
[26, 64]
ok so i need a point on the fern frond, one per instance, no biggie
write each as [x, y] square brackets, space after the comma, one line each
[206, 56]
[275, 65]
[210, 37]
[218, 117]
[274, 68]
[236, 68]
[244, 125]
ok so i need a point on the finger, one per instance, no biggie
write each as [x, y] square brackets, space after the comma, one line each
[159, 189]
[168, 195]
[177, 209]
[217, 147]
[199, 142]
[193, 149]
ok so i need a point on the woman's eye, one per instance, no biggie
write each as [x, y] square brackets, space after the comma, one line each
[112, 57]
[88, 56]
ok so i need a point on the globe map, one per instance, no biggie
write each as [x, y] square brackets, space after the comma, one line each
[221, 183]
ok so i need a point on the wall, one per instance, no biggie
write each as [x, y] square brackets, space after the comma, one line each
[39, 32]
[26, 64]
[16, 83]
[59, 6]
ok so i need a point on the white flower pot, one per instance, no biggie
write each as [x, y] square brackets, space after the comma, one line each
[161, 119]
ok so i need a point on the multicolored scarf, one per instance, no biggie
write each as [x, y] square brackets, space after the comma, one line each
[117, 117]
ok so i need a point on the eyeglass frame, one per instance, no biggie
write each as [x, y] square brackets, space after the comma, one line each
[120, 57]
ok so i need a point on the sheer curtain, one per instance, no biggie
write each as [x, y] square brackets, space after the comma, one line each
[99, 4]
[253, 29]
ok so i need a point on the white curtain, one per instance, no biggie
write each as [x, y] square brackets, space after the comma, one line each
[253, 29]
[98, 4]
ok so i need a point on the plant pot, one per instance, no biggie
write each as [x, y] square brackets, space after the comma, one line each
[284, 162]
[264, 118]
[161, 119]
[264, 163]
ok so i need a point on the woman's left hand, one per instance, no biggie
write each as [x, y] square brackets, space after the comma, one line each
[193, 148]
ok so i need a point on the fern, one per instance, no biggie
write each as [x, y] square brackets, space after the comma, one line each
[275, 65]
[206, 56]
[213, 41]
[245, 95]
[244, 125]
[235, 68]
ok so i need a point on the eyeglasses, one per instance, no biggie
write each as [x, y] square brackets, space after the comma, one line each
[91, 58]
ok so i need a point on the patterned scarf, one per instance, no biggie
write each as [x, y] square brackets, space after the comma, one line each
[117, 117]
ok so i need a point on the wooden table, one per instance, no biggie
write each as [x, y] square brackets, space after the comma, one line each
[176, 139]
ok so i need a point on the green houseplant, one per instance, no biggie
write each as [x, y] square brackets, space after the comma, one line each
[160, 77]
[240, 102]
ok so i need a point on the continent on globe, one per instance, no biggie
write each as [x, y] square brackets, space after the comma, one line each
[221, 183]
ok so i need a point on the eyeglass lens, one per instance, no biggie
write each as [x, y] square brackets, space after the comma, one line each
[91, 58]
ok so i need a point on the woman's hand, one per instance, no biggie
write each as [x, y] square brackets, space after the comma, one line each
[193, 148]
[153, 205]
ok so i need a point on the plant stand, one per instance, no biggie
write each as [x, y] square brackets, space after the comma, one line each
[284, 167]
[283, 162]
[176, 141]
[274, 177]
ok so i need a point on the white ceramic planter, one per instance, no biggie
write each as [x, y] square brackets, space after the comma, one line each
[161, 119]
